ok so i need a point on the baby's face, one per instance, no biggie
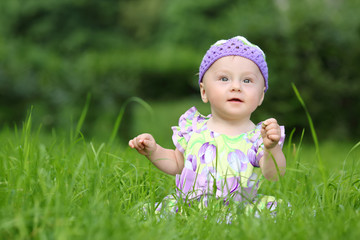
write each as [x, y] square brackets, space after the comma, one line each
[234, 86]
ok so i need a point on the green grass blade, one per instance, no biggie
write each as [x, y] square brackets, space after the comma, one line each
[82, 117]
[121, 114]
[26, 141]
[313, 133]
[351, 150]
[289, 145]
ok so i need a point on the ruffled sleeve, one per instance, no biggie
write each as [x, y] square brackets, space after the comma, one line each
[188, 124]
[257, 149]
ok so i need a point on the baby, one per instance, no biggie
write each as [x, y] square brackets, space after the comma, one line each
[223, 154]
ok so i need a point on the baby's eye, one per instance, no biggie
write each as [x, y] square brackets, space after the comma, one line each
[224, 79]
[247, 81]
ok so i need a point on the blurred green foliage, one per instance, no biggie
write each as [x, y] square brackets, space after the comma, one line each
[53, 53]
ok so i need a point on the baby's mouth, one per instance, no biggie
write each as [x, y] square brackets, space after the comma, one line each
[235, 100]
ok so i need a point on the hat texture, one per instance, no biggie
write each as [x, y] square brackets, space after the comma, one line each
[236, 46]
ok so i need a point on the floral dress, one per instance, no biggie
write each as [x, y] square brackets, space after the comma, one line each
[217, 165]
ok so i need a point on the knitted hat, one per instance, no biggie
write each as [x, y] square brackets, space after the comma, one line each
[236, 46]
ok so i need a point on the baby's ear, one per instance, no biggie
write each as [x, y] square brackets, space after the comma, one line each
[203, 93]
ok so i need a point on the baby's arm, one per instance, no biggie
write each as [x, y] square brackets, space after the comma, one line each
[167, 160]
[271, 135]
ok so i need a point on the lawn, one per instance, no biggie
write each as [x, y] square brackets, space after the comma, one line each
[61, 185]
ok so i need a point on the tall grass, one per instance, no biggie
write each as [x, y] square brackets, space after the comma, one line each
[64, 186]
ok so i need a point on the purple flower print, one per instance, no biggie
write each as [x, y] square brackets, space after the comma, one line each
[271, 205]
[237, 161]
[255, 137]
[209, 172]
[251, 155]
[186, 181]
[185, 133]
[189, 114]
[200, 119]
[187, 117]
[227, 186]
[191, 162]
[203, 185]
[207, 153]
[253, 179]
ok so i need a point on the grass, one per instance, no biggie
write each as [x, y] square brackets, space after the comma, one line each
[61, 185]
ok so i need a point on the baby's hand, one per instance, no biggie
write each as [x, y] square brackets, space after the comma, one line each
[270, 133]
[144, 143]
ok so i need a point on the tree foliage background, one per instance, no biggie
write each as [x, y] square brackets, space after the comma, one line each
[53, 53]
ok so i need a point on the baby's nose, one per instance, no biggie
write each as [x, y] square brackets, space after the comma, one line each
[236, 85]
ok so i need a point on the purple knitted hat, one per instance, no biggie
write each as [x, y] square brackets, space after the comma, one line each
[236, 46]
